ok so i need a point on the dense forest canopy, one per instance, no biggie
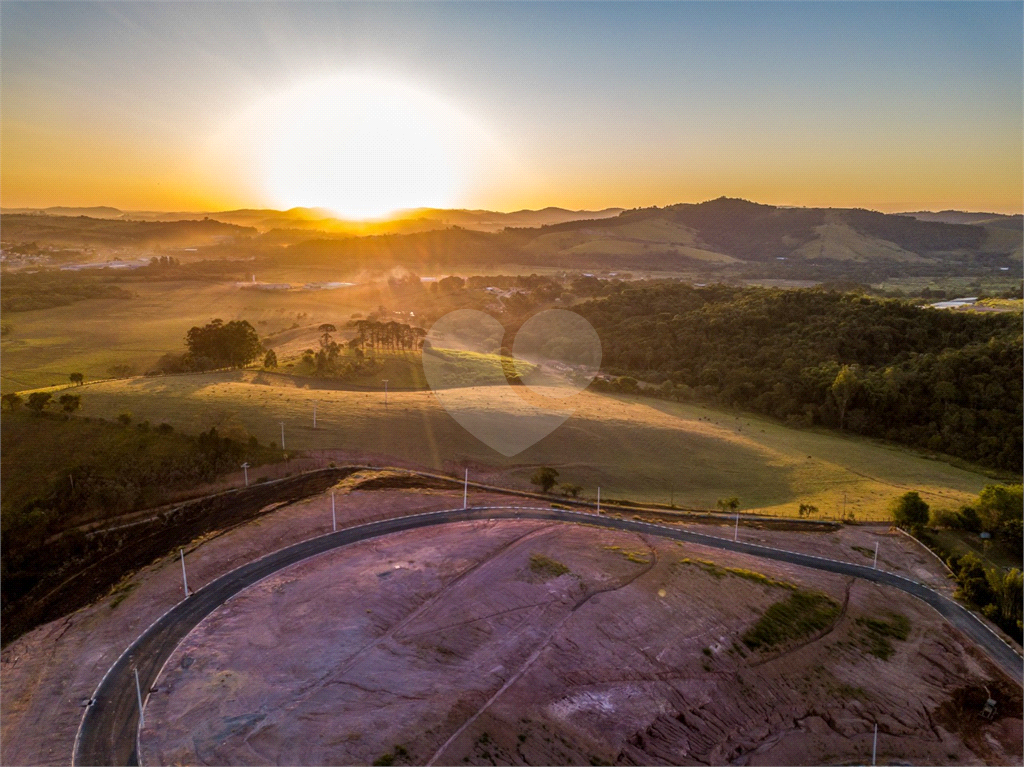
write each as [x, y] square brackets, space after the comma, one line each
[944, 381]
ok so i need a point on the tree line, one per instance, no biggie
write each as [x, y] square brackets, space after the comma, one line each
[943, 381]
[392, 335]
[997, 592]
[125, 468]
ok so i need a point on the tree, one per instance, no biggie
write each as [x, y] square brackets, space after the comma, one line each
[998, 504]
[972, 579]
[909, 510]
[234, 344]
[545, 478]
[76, 378]
[571, 490]
[12, 401]
[270, 360]
[843, 388]
[38, 400]
[70, 402]
[325, 338]
[808, 510]
[728, 504]
[1008, 593]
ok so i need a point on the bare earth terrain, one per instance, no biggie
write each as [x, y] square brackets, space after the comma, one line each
[468, 643]
[450, 645]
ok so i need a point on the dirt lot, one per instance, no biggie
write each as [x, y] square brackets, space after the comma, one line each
[449, 643]
[453, 645]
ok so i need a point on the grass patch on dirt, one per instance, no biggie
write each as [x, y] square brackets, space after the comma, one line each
[121, 592]
[719, 572]
[877, 633]
[637, 556]
[546, 567]
[803, 613]
[869, 553]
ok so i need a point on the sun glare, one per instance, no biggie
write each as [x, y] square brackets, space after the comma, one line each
[363, 146]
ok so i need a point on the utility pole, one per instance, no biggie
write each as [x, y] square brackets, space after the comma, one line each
[874, 565]
[334, 516]
[245, 468]
[138, 694]
[282, 434]
[184, 576]
[874, 745]
[465, 491]
[385, 392]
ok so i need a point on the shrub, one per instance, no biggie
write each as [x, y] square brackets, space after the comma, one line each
[801, 614]
[545, 478]
[909, 511]
[547, 567]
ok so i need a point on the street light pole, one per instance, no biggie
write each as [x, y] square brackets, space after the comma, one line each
[245, 468]
[314, 414]
[598, 500]
[184, 576]
[874, 565]
[138, 694]
[385, 392]
[282, 434]
[465, 491]
[736, 532]
[874, 745]
[334, 517]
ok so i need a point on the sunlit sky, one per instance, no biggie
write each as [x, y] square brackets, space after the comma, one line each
[180, 106]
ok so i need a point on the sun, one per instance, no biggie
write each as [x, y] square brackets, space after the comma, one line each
[361, 145]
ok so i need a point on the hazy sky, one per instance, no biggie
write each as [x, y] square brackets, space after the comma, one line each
[892, 106]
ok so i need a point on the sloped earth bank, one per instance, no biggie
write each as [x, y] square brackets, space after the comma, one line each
[536, 643]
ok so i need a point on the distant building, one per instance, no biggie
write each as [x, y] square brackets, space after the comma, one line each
[955, 303]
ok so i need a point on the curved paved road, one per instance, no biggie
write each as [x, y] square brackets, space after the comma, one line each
[109, 729]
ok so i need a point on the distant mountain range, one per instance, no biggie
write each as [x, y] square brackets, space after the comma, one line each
[725, 236]
[421, 219]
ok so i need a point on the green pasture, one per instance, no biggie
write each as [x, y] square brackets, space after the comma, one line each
[633, 448]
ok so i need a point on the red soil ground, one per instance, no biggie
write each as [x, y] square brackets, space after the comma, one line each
[465, 653]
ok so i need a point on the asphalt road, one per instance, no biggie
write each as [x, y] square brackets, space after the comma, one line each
[109, 730]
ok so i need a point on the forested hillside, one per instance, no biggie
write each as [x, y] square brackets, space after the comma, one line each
[945, 381]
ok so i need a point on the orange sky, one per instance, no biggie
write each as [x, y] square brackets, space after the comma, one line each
[892, 107]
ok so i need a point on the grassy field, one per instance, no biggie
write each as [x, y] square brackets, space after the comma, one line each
[404, 370]
[89, 337]
[645, 450]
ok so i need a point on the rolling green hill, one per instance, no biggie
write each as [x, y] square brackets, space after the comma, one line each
[638, 448]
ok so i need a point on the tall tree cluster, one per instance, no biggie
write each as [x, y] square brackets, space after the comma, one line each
[232, 344]
[387, 335]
